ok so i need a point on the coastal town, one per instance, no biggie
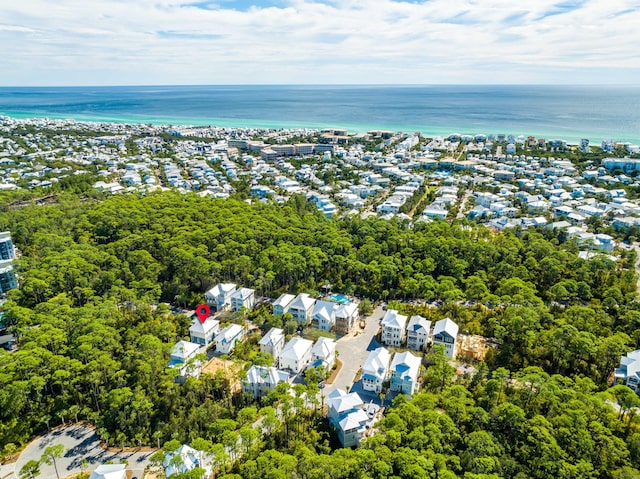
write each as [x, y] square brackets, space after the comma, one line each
[354, 357]
[503, 181]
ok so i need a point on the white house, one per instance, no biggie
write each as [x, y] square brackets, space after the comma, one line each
[302, 308]
[281, 305]
[203, 333]
[323, 353]
[346, 315]
[375, 370]
[220, 296]
[272, 342]
[262, 379]
[296, 355]
[405, 369]
[190, 458]
[109, 471]
[183, 358]
[347, 417]
[243, 298]
[445, 333]
[394, 327]
[227, 338]
[324, 315]
[629, 370]
[418, 331]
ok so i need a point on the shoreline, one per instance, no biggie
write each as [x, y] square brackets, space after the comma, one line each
[572, 137]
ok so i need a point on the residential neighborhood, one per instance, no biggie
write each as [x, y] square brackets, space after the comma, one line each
[503, 181]
[356, 356]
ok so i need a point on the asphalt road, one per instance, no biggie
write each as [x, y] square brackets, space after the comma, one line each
[79, 442]
[354, 349]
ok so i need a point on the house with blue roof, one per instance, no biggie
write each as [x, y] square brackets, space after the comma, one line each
[405, 369]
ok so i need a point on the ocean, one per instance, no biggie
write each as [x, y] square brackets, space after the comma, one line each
[564, 112]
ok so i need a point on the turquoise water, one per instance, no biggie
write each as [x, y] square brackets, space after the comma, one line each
[567, 112]
[339, 298]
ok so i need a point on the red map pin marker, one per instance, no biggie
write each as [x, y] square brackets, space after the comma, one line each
[203, 311]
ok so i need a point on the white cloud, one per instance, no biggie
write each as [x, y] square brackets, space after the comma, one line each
[302, 41]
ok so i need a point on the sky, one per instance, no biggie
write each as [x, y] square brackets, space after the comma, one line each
[164, 42]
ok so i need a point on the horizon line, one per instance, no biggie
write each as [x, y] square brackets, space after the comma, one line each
[399, 85]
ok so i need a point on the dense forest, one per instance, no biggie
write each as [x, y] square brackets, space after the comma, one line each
[94, 336]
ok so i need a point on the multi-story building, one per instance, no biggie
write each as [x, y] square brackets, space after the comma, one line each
[243, 298]
[445, 333]
[375, 370]
[347, 417]
[405, 369]
[203, 332]
[346, 316]
[281, 305]
[393, 328]
[220, 296]
[272, 342]
[7, 250]
[262, 379]
[418, 331]
[301, 308]
[296, 355]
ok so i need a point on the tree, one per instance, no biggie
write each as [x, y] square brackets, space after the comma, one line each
[440, 372]
[50, 455]
[365, 308]
[30, 470]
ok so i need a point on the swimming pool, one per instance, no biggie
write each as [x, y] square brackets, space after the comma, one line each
[339, 298]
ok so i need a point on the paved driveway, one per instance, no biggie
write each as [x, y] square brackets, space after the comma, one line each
[354, 349]
[80, 442]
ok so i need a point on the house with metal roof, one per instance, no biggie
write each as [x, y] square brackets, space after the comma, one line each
[375, 370]
[445, 333]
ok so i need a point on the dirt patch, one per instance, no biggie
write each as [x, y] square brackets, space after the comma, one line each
[334, 373]
[230, 370]
[472, 346]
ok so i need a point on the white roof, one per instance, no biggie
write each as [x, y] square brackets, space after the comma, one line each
[184, 349]
[629, 365]
[323, 348]
[228, 333]
[394, 319]
[296, 348]
[325, 310]
[189, 458]
[302, 301]
[221, 289]
[342, 401]
[346, 310]
[273, 336]
[284, 300]
[243, 293]
[417, 323]
[377, 364]
[353, 420]
[204, 328]
[446, 325]
[265, 375]
[407, 364]
[109, 471]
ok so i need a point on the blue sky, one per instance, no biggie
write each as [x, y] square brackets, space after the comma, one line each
[132, 42]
